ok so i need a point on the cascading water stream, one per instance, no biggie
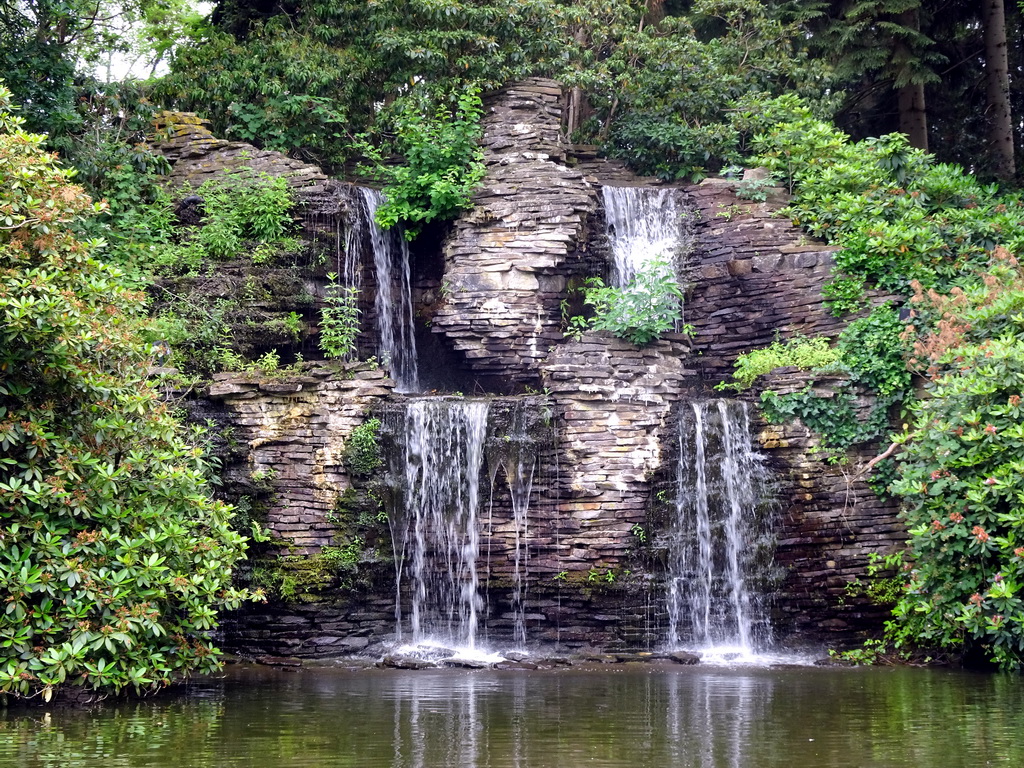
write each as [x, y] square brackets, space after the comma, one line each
[516, 455]
[393, 302]
[434, 528]
[642, 223]
[719, 545]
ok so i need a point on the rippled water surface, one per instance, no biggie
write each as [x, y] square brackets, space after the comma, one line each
[639, 717]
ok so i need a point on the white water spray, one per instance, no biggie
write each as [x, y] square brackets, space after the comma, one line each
[642, 223]
[719, 546]
[436, 533]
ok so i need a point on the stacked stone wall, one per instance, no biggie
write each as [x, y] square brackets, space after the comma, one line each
[614, 403]
[508, 266]
[830, 522]
[294, 430]
[754, 277]
[508, 261]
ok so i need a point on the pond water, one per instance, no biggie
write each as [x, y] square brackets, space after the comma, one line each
[640, 716]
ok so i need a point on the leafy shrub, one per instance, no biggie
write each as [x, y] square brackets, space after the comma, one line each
[962, 478]
[442, 162]
[240, 207]
[897, 215]
[282, 90]
[339, 320]
[194, 332]
[114, 557]
[798, 352]
[986, 305]
[844, 294]
[241, 211]
[693, 115]
[362, 449]
[873, 350]
[645, 309]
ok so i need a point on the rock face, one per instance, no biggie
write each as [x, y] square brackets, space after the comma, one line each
[603, 470]
[832, 521]
[614, 403]
[755, 277]
[198, 156]
[295, 431]
[509, 260]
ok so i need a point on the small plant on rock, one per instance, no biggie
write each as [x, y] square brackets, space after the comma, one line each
[646, 309]
[362, 450]
[797, 352]
[339, 320]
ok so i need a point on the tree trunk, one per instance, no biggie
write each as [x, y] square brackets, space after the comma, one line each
[997, 76]
[910, 97]
[576, 108]
[574, 111]
[913, 115]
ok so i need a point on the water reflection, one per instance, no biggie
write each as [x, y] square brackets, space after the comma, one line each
[675, 717]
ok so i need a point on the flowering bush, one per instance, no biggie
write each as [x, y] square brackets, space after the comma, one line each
[114, 559]
[962, 485]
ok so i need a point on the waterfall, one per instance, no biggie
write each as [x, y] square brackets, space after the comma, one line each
[393, 302]
[642, 223]
[719, 543]
[515, 452]
[434, 523]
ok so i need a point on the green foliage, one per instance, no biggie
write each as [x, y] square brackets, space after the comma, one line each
[670, 95]
[844, 294]
[269, 363]
[909, 224]
[755, 189]
[239, 207]
[362, 449]
[339, 320]
[194, 333]
[896, 214]
[871, 350]
[314, 74]
[648, 307]
[108, 147]
[961, 482]
[874, 352]
[346, 556]
[114, 558]
[678, 98]
[442, 162]
[303, 578]
[834, 417]
[282, 89]
[885, 580]
[814, 354]
[873, 651]
[961, 472]
[241, 212]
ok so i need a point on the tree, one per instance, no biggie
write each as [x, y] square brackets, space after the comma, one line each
[675, 99]
[36, 63]
[941, 71]
[114, 558]
[304, 77]
[879, 49]
[997, 76]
